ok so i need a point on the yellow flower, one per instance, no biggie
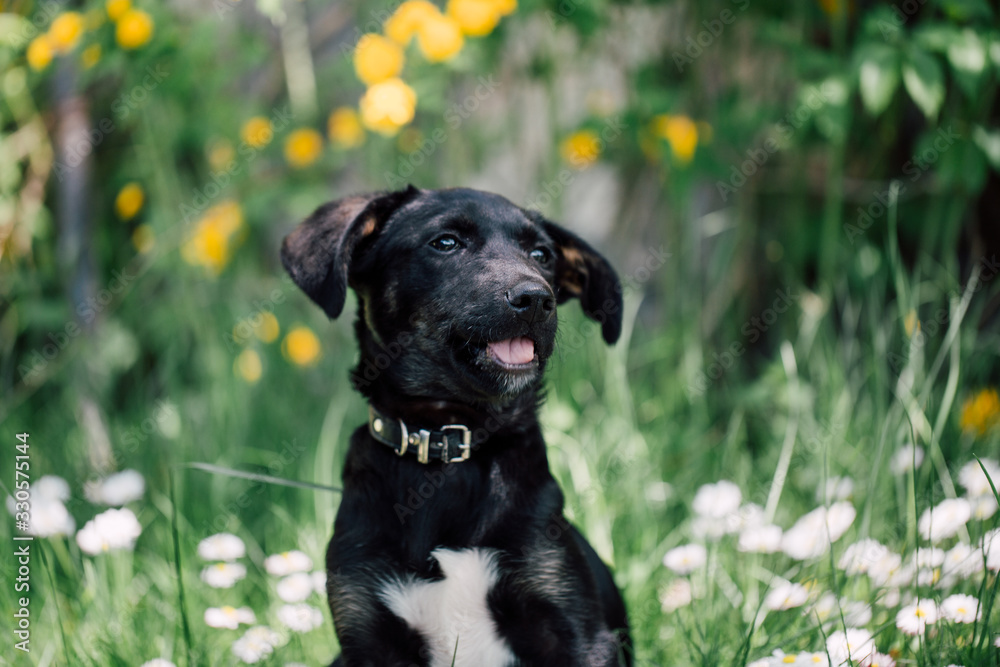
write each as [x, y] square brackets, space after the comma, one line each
[476, 17]
[344, 127]
[377, 58]
[580, 149]
[90, 56]
[248, 366]
[268, 328]
[680, 132]
[208, 245]
[301, 346]
[134, 29]
[117, 8]
[440, 38]
[65, 31]
[129, 201]
[911, 324]
[407, 19]
[981, 412]
[303, 146]
[143, 238]
[505, 7]
[220, 153]
[257, 132]
[39, 52]
[388, 106]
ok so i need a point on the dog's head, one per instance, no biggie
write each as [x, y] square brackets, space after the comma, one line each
[457, 288]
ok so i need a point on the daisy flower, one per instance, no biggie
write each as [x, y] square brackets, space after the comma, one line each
[116, 490]
[158, 662]
[945, 520]
[983, 507]
[961, 609]
[878, 660]
[836, 488]
[975, 481]
[855, 644]
[288, 562]
[229, 617]
[913, 619]
[109, 531]
[48, 516]
[830, 607]
[717, 500]
[318, 579]
[905, 458]
[860, 556]
[295, 587]
[300, 617]
[676, 595]
[223, 575]
[812, 534]
[962, 561]
[257, 644]
[685, 559]
[786, 596]
[760, 539]
[222, 546]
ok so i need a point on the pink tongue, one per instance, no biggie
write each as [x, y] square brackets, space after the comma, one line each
[513, 350]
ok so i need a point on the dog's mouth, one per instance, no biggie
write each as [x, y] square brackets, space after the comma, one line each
[513, 353]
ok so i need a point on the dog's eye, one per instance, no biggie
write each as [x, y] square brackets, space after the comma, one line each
[541, 255]
[445, 243]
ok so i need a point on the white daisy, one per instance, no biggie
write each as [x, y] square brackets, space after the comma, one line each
[318, 579]
[47, 515]
[300, 617]
[50, 487]
[961, 609]
[760, 539]
[830, 607]
[836, 488]
[906, 458]
[709, 528]
[295, 587]
[717, 500]
[975, 481]
[685, 559]
[962, 561]
[991, 546]
[878, 660]
[983, 507]
[854, 644]
[913, 619]
[116, 490]
[288, 562]
[889, 599]
[222, 546]
[927, 576]
[677, 594]
[158, 662]
[257, 644]
[929, 557]
[945, 520]
[109, 531]
[229, 617]
[223, 575]
[812, 534]
[888, 570]
[749, 515]
[859, 557]
[786, 596]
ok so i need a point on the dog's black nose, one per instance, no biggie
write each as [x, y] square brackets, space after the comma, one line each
[533, 302]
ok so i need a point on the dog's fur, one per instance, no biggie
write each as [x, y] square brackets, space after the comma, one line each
[470, 561]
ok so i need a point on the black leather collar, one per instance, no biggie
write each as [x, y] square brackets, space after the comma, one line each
[451, 443]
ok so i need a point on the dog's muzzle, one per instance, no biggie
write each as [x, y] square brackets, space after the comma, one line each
[451, 443]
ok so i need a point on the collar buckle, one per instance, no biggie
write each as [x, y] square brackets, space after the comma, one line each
[465, 446]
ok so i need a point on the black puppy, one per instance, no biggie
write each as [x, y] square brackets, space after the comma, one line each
[450, 545]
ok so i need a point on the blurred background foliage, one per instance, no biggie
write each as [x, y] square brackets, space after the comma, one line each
[837, 158]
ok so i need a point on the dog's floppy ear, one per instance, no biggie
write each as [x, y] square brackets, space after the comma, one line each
[317, 255]
[582, 272]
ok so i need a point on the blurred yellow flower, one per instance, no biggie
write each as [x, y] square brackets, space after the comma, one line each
[407, 19]
[580, 149]
[439, 38]
[220, 153]
[344, 127]
[911, 324]
[65, 31]
[134, 29]
[248, 366]
[388, 106]
[117, 8]
[680, 132]
[143, 238]
[476, 18]
[303, 147]
[505, 7]
[981, 412]
[268, 329]
[39, 52]
[90, 56]
[301, 346]
[377, 58]
[257, 132]
[129, 201]
[208, 245]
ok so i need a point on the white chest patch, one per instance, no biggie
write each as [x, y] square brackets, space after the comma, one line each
[452, 614]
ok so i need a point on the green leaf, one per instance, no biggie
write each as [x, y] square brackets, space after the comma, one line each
[967, 55]
[966, 10]
[988, 142]
[878, 78]
[924, 81]
[936, 36]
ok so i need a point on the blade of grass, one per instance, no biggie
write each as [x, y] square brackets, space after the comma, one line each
[257, 477]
